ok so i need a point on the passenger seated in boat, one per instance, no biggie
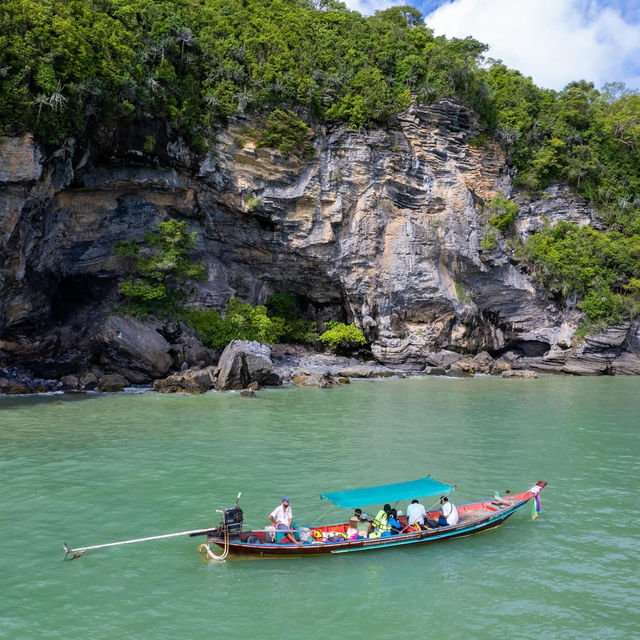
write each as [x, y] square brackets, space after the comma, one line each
[282, 518]
[394, 523]
[448, 514]
[364, 522]
[352, 530]
[416, 515]
[361, 515]
[380, 524]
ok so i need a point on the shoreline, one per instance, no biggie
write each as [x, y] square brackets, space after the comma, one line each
[148, 389]
[247, 366]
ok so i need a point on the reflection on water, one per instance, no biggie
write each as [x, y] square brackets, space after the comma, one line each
[98, 468]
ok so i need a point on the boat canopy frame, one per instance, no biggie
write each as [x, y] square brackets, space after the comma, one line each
[420, 488]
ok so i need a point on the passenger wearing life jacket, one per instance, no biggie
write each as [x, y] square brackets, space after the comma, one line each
[395, 525]
[380, 522]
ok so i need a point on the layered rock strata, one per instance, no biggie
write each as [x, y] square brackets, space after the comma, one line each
[382, 227]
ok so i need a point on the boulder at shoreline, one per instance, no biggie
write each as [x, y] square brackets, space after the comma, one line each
[194, 381]
[243, 362]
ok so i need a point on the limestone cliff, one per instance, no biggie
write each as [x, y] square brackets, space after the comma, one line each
[383, 227]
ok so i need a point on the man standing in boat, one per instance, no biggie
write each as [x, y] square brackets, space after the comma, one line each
[282, 518]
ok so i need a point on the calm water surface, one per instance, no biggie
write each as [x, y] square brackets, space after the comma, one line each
[100, 468]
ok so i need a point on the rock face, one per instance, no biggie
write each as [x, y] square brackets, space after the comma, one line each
[382, 227]
[615, 350]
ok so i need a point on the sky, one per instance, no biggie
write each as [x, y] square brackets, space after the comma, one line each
[553, 41]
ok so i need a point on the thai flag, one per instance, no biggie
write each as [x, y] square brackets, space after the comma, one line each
[536, 506]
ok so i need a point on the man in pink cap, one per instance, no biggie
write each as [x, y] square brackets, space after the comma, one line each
[282, 518]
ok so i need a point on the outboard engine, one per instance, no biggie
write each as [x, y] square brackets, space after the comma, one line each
[232, 519]
[228, 528]
[231, 523]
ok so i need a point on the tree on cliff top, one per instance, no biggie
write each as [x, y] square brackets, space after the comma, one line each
[161, 269]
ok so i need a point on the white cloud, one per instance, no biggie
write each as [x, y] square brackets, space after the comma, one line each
[553, 41]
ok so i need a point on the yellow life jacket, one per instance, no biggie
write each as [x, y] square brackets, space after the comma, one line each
[380, 521]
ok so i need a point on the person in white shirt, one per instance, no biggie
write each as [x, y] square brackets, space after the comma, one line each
[416, 514]
[282, 518]
[449, 515]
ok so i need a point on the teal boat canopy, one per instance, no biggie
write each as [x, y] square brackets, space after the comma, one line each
[387, 493]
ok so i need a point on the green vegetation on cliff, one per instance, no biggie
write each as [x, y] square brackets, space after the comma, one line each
[67, 65]
[601, 269]
[342, 338]
[588, 138]
[238, 321]
[502, 212]
[161, 270]
[278, 321]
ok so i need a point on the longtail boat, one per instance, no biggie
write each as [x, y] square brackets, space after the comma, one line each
[328, 539]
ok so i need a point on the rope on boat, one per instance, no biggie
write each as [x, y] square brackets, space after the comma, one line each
[205, 549]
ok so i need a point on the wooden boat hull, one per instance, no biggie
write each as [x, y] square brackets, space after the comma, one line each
[474, 518]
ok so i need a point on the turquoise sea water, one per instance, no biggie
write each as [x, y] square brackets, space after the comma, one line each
[101, 468]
